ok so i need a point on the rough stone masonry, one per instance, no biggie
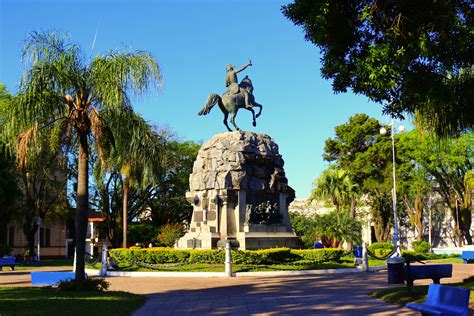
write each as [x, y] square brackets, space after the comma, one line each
[233, 173]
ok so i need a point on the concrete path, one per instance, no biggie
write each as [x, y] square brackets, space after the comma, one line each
[341, 294]
[335, 294]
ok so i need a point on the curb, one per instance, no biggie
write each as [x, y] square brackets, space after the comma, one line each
[164, 274]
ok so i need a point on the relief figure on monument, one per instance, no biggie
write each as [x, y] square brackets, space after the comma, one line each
[238, 96]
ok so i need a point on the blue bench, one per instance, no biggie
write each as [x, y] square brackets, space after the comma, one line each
[50, 278]
[444, 300]
[429, 271]
[467, 256]
[7, 262]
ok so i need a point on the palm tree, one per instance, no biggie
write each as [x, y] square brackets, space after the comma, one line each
[135, 156]
[63, 93]
[337, 186]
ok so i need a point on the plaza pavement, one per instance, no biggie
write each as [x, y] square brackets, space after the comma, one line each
[334, 294]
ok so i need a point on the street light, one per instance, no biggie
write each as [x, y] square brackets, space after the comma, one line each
[39, 222]
[383, 131]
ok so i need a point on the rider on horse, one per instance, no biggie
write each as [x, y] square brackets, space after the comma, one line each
[233, 85]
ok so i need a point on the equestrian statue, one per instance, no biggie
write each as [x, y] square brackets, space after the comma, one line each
[238, 96]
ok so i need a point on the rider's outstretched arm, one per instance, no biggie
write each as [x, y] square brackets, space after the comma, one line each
[242, 68]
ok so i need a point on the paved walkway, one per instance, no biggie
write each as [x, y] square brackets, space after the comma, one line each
[335, 294]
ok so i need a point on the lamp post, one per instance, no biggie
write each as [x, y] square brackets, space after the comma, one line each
[39, 222]
[383, 131]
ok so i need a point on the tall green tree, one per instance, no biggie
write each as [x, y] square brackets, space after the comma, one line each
[449, 164]
[136, 156]
[64, 93]
[412, 56]
[9, 191]
[337, 186]
[359, 148]
[169, 204]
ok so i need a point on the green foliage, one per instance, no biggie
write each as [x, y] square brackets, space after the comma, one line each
[302, 226]
[62, 87]
[421, 246]
[380, 245]
[335, 228]
[381, 252]
[142, 232]
[263, 256]
[359, 148]
[169, 204]
[95, 284]
[320, 255]
[169, 234]
[414, 56]
[150, 255]
[334, 185]
[412, 255]
[207, 256]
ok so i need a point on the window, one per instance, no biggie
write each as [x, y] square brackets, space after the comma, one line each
[45, 240]
[11, 236]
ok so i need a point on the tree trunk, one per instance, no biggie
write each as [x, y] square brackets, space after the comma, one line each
[415, 213]
[30, 239]
[353, 207]
[125, 210]
[82, 205]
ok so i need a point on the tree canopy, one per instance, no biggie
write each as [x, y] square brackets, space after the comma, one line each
[66, 96]
[414, 57]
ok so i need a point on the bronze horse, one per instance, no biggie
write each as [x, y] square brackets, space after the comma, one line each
[233, 100]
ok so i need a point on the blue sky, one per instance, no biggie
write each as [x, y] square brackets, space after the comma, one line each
[193, 41]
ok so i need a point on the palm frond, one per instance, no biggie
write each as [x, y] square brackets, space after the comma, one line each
[117, 74]
[23, 143]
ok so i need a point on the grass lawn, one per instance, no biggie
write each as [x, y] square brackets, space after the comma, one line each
[401, 296]
[49, 301]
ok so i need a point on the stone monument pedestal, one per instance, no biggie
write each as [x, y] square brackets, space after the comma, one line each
[239, 191]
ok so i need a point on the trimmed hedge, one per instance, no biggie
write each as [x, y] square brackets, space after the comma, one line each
[409, 254]
[264, 256]
[421, 246]
[319, 255]
[380, 245]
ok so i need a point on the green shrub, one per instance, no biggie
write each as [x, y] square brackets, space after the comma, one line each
[264, 256]
[150, 255]
[380, 245]
[412, 255]
[206, 256]
[141, 233]
[169, 234]
[381, 252]
[319, 255]
[86, 285]
[421, 246]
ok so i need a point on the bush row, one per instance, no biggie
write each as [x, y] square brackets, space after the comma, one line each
[264, 256]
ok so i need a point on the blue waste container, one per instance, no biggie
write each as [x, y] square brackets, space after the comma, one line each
[395, 270]
[357, 251]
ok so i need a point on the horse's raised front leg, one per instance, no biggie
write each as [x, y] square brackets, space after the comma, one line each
[232, 120]
[260, 108]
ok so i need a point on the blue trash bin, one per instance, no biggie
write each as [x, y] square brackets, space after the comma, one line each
[357, 251]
